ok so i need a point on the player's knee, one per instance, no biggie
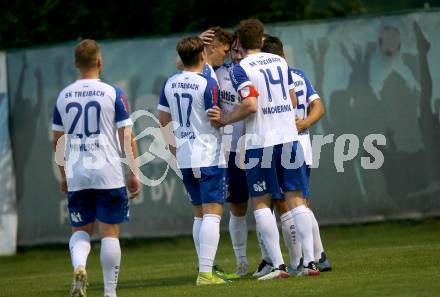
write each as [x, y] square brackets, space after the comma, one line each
[281, 206]
[238, 209]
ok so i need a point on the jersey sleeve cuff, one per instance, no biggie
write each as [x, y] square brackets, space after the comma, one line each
[242, 85]
[124, 123]
[163, 108]
[58, 128]
[313, 97]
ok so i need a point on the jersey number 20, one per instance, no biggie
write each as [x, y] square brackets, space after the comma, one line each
[79, 110]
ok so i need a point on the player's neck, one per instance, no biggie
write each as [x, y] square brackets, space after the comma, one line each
[252, 51]
[197, 68]
[90, 74]
[209, 61]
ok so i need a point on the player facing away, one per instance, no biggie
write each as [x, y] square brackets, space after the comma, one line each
[237, 193]
[195, 141]
[310, 110]
[91, 124]
[268, 105]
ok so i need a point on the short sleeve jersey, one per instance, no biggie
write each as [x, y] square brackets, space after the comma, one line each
[273, 123]
[187, 96]
[229, 100]
[305, 94]
[89, 112]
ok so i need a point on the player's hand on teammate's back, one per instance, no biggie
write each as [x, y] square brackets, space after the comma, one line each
[133, 186]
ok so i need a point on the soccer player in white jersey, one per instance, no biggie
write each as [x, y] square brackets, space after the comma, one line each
[184, 100]
[310, 110]
[90, 120]
[264, 83]
[237, 194]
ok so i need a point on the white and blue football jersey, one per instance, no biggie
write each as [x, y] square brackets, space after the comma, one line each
[89, 112]
[273, 123]
[229, 100]
[209, 71]
[187, 96]
[305, 94]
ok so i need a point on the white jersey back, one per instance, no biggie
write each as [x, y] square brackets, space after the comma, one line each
[229, 100]
[187, 96]
[306, 94]
[89, 112]
[274, 122]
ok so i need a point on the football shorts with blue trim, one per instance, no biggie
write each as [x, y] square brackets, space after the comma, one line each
[206, 184]
[275, 170]
[109, 206]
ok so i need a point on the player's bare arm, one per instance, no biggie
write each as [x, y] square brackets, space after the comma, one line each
[249, 106]
[129, 151]
[317, 111]
[58, 148]
[170, 140]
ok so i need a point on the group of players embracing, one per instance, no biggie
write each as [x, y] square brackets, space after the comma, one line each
[240, 130]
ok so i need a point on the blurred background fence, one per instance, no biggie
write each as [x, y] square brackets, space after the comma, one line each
[376, 75]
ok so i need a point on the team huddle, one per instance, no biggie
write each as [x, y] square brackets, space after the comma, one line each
[238, 130]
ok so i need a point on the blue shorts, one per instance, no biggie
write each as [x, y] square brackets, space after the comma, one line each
[109, 206]
[276, 172]
[237, 190]
[205, 184]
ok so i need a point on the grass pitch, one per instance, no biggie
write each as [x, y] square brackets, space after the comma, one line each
[386, 259]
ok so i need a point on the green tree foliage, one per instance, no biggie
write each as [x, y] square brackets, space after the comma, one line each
[29, 23]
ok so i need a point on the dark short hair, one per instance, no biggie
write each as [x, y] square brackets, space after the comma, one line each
[189, 49]
[86, 53]
[250, 33]
[273, 45]
[221, 35]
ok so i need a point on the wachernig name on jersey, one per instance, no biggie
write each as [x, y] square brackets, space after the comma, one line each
[276, 109]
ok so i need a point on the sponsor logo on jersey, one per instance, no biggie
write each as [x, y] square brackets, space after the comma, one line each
[228, 96]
